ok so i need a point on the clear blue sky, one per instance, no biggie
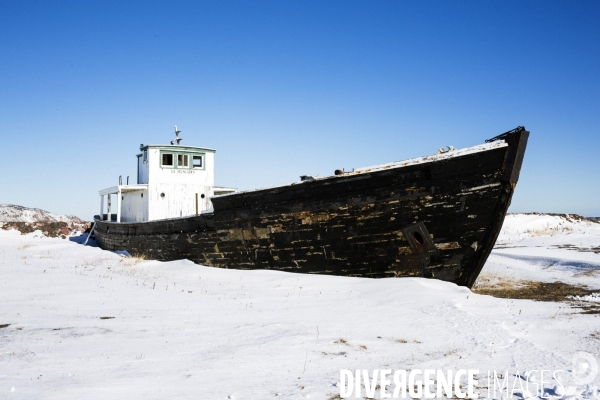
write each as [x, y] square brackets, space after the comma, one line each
[288, 88]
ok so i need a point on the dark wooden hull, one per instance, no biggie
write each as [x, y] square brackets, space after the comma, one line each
[437, 219]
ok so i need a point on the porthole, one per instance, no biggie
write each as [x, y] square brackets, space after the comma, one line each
[142, 194]
[162, 195]
[202, 195]
[418, 237]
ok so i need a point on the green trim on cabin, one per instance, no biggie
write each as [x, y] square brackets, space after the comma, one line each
[178, 148]
[190, 159]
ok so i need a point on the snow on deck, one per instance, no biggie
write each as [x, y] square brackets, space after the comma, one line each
[89, 324]
[397, 164]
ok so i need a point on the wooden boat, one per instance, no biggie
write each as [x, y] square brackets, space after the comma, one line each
[435, 217]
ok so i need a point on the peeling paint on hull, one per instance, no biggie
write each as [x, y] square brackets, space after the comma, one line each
[353, 225]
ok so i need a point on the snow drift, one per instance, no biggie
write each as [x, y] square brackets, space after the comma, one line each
[78, 322]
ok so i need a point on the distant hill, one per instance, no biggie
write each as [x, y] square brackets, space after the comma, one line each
[568, 217]
[28, 220]
[522, 225]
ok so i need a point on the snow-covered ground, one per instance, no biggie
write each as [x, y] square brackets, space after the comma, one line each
[91, 324]
[548, 248]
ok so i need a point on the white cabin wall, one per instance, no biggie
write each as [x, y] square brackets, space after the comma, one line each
[179, 200]
[210, 169]
[134, 206]
[153, 164]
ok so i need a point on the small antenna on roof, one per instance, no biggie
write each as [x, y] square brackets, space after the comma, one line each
[177, 138]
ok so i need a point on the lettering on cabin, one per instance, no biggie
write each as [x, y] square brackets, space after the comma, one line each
[182, 171]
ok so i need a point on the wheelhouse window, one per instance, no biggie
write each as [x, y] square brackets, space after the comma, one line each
[183, 160]
[167, 160]
[197, 160]
[145, 155]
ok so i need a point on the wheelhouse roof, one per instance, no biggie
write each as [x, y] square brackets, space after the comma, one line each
[175, 147]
